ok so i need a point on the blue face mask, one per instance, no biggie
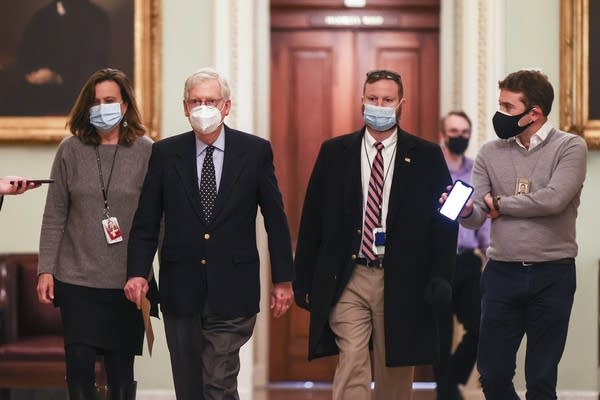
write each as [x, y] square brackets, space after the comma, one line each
[379, 118]
[106, 116]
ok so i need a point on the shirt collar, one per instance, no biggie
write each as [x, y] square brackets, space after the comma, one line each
[465, 167]
[537, 137]
[219, 144]
[387, 143]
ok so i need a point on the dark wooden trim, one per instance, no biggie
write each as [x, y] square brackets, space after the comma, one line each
[370, 4]
[418, 19]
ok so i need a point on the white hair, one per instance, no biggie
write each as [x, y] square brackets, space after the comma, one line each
[206, 74]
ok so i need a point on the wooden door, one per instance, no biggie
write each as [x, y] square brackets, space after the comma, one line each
[317, 73]
[311, 94]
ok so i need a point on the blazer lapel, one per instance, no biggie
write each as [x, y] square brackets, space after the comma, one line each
[402, 165]
[185, 164]
[234, 160]
[353, 194]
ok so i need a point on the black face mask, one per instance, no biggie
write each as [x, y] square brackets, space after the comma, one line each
[457, 145]
[507, 126]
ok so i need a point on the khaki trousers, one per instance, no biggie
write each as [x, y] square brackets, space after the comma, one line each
[356, 318]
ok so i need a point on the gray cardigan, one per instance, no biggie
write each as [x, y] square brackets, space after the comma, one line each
[72, 243]
[540, 225]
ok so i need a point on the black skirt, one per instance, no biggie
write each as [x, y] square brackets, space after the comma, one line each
[102, 318]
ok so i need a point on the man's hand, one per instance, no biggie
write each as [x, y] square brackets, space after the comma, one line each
[466, 210]
[489, 202]
[136, 289]
[44, 76]
[19, 185]
[282, 296]
[45, 288]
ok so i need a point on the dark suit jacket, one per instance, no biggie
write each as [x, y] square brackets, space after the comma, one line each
[218, 262]
[420, 243]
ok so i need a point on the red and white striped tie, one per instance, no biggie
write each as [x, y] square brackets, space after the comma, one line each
[374, 201]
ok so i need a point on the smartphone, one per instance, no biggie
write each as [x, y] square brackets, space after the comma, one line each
[457, 198]
[35, 181]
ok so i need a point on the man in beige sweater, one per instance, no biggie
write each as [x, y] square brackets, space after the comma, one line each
[529, 183]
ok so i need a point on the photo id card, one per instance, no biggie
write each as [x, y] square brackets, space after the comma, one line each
[112, 231]
[522, 186]
[379, 240]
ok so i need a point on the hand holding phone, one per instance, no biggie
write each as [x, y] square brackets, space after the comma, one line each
[34, 181]
[456, 200]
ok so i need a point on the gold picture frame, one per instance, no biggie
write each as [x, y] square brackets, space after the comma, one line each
[147, 77]
[575, 72]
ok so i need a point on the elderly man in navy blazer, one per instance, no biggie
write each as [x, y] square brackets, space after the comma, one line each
[205, 186]
[373, 252]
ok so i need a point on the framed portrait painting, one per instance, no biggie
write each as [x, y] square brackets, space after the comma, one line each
[51, 47]
[580, 69]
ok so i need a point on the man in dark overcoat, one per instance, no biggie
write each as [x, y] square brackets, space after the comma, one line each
[373, 252]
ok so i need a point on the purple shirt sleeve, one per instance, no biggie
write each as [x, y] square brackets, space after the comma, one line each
[468, 238]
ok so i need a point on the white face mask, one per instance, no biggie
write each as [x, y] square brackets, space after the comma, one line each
[205, 119]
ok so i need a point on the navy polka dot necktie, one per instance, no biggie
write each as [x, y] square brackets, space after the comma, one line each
[208, 185]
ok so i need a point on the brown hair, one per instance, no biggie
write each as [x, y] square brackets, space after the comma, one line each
[535, 87]
[79, 118]
[458, 113]
[379, 74]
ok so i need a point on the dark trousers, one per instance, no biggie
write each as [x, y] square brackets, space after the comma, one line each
[522, 300]
[81, 362]
[204, 352]
[456, 368]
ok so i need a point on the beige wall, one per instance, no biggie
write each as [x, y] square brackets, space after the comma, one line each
[531, 40]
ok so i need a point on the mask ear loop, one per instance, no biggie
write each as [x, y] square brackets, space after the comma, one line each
[526, 114]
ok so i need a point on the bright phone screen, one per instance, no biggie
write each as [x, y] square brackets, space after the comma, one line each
[457, 198]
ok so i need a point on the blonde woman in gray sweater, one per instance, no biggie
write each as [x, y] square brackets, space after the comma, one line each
[98, 175]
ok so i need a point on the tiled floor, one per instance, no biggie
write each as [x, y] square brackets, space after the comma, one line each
[295, 391]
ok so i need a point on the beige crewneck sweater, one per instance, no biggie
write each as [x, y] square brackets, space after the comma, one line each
[539, 225]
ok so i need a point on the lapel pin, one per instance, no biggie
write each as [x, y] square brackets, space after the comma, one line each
[407, 159]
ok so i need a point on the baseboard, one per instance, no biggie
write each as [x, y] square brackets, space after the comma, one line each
[155, 395]
[562, 395]
[578, 395]
[168, 395]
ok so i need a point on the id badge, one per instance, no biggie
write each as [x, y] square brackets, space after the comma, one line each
[523, 185]
[112, 231]
[379, 240]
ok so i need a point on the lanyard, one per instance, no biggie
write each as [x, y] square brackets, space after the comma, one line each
[105, 189]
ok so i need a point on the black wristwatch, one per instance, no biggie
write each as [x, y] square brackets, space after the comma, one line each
[496, 203]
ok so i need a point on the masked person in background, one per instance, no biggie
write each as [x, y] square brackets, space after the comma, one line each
[454, 369]
[528, 284]
[373, 252]
[98, 175]
[207, 186]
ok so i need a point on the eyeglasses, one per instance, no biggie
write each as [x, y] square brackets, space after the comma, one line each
[213, 103]
[383, 74]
